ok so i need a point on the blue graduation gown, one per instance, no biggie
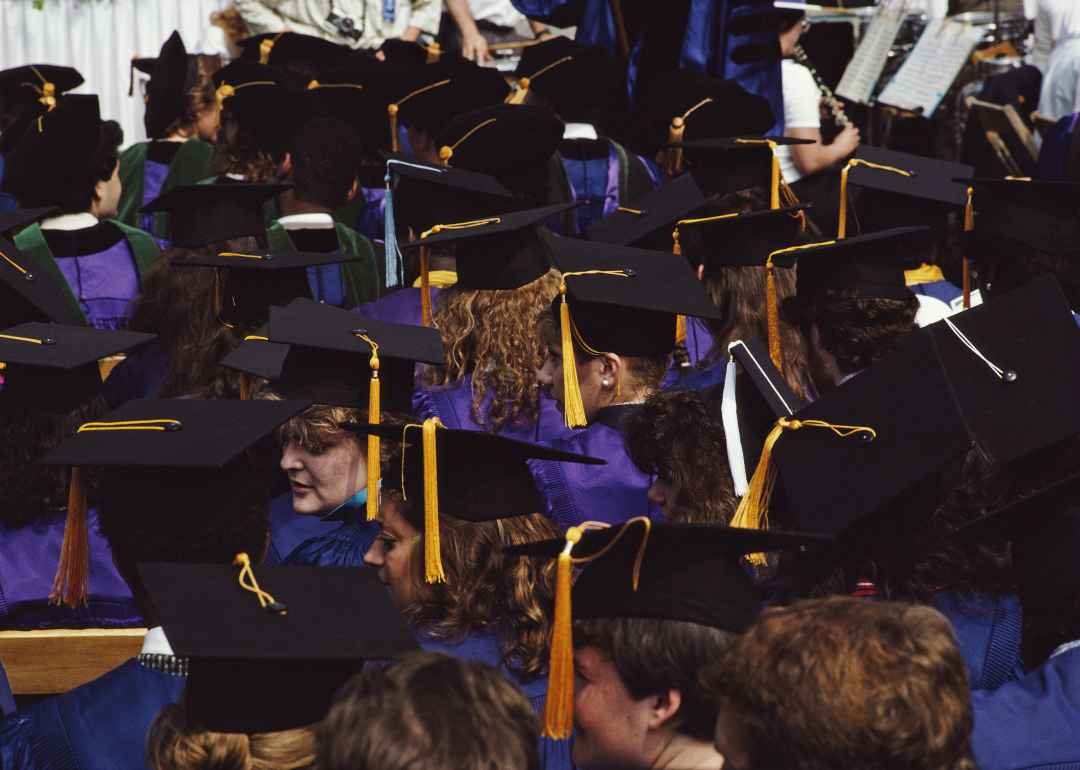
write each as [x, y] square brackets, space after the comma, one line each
[137, 376]
[401, 307]
[101, 724]
[488, 647]
[1032, 722]
[452, 404]
[987, 632]
[943, 290]
[706, 376]
[341, 545]
[612, 493]
[698, 343]
[288, 529]
[7, 700]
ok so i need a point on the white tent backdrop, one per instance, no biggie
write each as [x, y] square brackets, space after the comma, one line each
[99, 38]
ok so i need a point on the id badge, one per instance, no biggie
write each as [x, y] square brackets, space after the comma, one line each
[389, 8]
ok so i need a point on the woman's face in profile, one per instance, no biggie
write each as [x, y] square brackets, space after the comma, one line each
[392, 554]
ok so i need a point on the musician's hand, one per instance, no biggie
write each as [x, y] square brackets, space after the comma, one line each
[847, 140]
[823, 112]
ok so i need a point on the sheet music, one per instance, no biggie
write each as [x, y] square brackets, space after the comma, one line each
[865, 67]
[934, 63]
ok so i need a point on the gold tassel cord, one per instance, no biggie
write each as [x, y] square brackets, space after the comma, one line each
[777, 177]
[224, 91]
[573, 408]
[632, 211]
[374, 469]
[773, 315]
[446, 152]
[559, 705]
[72, 583]
[245, 386]
[433, 569]
[21, 339]
[680, 329]
[243, 561]
[842, 229]
[12, 263]
[46, 90]
[969, 225]
[266, 46]
[434, 53]
[753, 511]
[518, 95]
[425, 290]
[675, 235]
[396, 106]
[673, 161]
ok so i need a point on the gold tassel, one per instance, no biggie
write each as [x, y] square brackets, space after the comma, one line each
[969, 225]
[573, 409]
[223, 92]
[434, 53]
[673, 162]
[518, 96]
[680, 329]
[396, 142]
[264, 51]
[433, 569]
[245, 387]
[72, 583]
[48, 95]
[774, 190]
[969, 213]
[677, 249]
[559, 705]
[373, 464]
[425, 289]
[773, 315]
[841, 231]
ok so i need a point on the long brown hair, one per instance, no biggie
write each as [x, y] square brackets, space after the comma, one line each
[177, 304]
[245, 156]
[739, 294]
[178, 742]
[485, 589]
[198, 98]
[494, 332]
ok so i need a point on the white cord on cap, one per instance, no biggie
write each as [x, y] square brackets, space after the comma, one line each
[1008, 375]
[729, 413]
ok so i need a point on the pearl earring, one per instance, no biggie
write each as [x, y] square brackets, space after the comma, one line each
[605, 383]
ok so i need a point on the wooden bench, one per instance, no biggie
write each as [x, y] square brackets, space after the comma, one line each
[52, 662]
[1000, 122]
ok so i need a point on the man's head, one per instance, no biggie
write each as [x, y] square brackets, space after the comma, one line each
[845, 682]
[430, 709]
[323, 159]
[636, 687]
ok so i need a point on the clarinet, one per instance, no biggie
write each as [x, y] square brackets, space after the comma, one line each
[838, 116]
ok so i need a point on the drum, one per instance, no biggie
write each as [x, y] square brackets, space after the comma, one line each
[1014, 28]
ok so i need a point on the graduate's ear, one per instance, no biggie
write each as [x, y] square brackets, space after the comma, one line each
[286, 167]
[352, 191]
[700, 271]
[664, 707]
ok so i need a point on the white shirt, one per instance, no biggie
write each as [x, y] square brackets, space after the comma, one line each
[579, 131]
[1048, 15]
[1060, 95]
[69, 221]
[313, 221]
[802, 98]
[501, 13]
[308, 17]
[155, 642]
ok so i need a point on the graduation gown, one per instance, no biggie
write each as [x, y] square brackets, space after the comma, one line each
[137, 376]
[288, 529]
[987, 632]
[345, 284]
[149, 169]
[102, 264]
[101, 724]
[401, 307]
[340, 545]
[488, 647]
[929, 281]
[612, 493]
[28, 559]
[698, 343]
[1032, 722]
[452, 404]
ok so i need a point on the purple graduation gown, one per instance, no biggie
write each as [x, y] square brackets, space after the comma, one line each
[101, 724]
[488, 647]
[288, 529]
[987, 632]
[699, 341]
[452, 404]
[28, 559]
[401, 307]
[1032, 722]
[612, 493]
[104, 283]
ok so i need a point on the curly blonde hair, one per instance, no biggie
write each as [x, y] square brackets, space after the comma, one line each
[178, 742]
[485, 589]
[494, 332]
[198, 98]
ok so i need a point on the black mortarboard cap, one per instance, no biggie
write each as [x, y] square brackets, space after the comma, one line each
[13, 134]
[633, 315]
[563, 71]
[263, 279]
[202, 214]
[503, 252]
[257, 356]
[868, 266]
[747, 239]
[425, 100]
[55, 151]
[426, 195]
[507, 141]
[168, 87]
[328, 361]
[688, 572]
[885, 199]
[357, 91]
[1031, 336]
[292, 48]
[177, 467]
[733, 111]
[1044, 529]
[252, 670]
[265, 102]
[873, 489]
[30, 82]
[654, 213]
[13, 220]
[53, 368]
[29, 293]
[406, 53]
[481, 476]
[1044, 216]
[732, 163]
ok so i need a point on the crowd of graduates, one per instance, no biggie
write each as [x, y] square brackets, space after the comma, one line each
[422, 424]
